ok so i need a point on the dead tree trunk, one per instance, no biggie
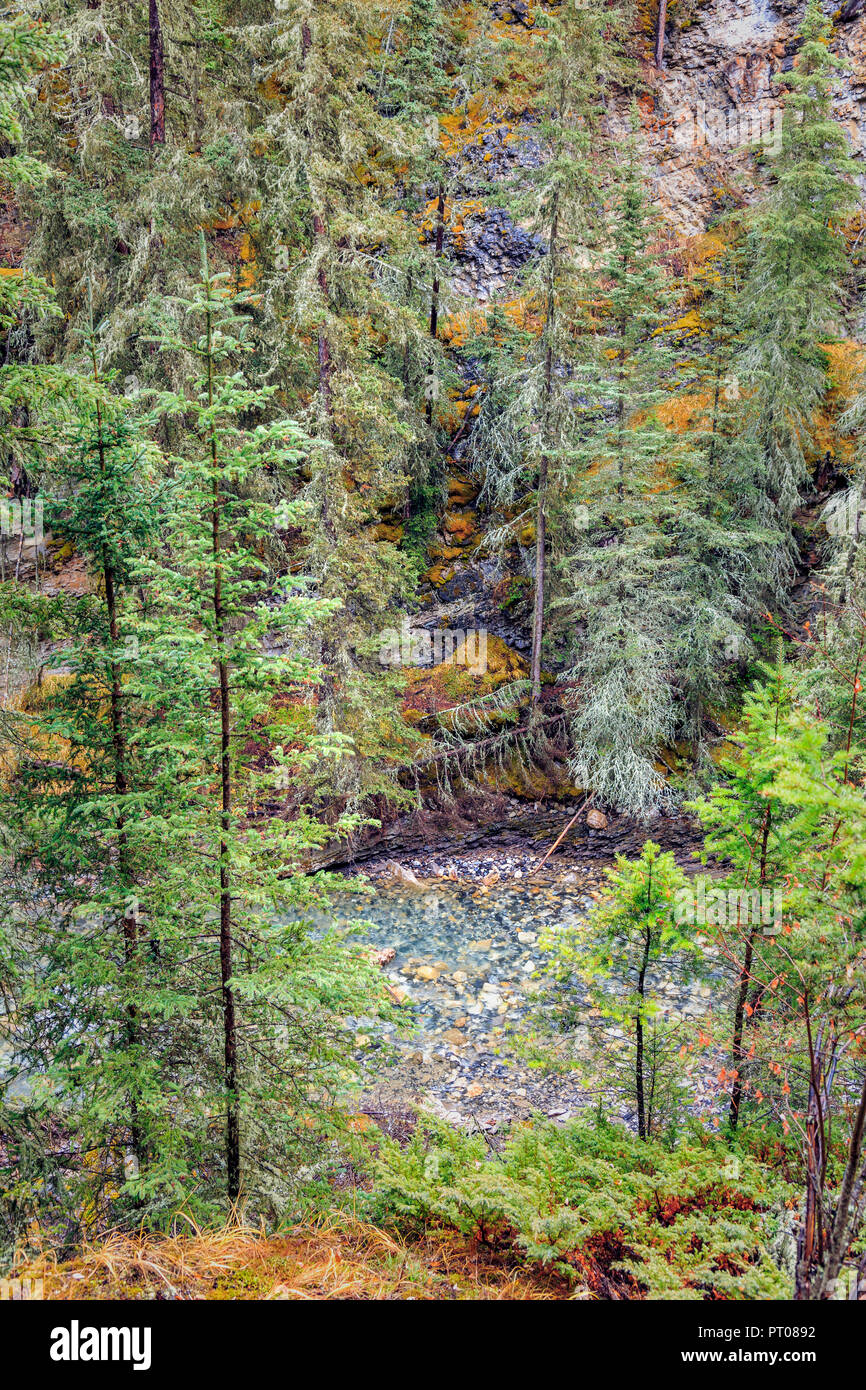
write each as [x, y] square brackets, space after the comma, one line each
[157, 78]
[543, 470]
[660, 32]
[434, 298]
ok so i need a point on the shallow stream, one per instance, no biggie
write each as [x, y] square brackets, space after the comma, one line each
[465, 965]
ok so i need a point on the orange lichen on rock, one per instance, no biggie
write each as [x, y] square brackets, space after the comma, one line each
[684, 412]
[687, 325]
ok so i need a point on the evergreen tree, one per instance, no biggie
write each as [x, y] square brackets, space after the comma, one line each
[618, 566]
[628, 936]
[86, 996]
[791, 815]
[797, 263]
[165, 964]
[524, 440]
[748, 828]
[147, 124]
[345, 297]
[26, 48]
[718, 573]
[222, 645]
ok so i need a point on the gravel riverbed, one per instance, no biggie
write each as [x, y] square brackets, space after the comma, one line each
[457, 936]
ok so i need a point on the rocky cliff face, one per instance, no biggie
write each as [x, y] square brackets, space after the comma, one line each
[716, 102]
[705, 115]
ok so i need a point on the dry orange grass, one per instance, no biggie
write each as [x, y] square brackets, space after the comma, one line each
[339, 1257]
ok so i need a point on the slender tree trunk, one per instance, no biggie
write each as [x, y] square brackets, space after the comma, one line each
[811, 1244]
[620, 409]
[326, 363]
[434, 298]
[711, 461]
[328, 650]
[157, 78]
[543, 471]
[538, 603]
[654, 1068]
[327, 687]
[738, 1049]
[660, 31]
[639, 1042]
[230, 1042]
[841, 1228]
[129, 926]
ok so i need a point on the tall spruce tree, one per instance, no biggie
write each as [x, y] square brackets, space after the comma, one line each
[73, 795]
[718, 574]
[330, 175]
[797, 263]
[619, 598]
[222, 644]
[524, 440]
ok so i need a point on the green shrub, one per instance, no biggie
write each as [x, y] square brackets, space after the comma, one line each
[615, 1216]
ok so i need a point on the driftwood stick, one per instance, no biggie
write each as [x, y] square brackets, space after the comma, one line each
[562, 835]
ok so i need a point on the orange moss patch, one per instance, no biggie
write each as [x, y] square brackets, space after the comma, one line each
[388, 532]
[847, 362]
[467, 126]
[233, 233]
[444, 552]
[460, 525]
[457, 213]
[524, 312]
[687, 326]
[461, 491]
[686, 412]
[51, 749]
[457, 329]
[701, 250]
[436, 690]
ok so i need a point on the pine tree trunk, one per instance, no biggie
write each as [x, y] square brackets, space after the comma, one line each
[326, 364]
[639, 1043]
[157, 78]
[327, 687]
[230, 1044]
[841, 1231]
[738, 1049]
[129, 926]
[620, 412]
[810, 1245]
[543, 471]
[328, 652]
[711, 461]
